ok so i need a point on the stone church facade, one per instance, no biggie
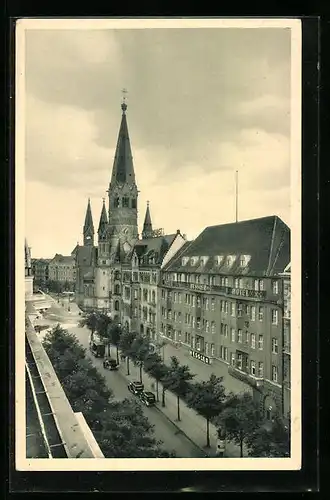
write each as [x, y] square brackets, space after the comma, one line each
[120, 272]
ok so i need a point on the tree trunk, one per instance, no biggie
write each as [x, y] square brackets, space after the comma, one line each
[163, 397]
[109, 351]
[178, 404]
[127, 365]
[207, 433]
[241, 446]
[157, 394]
[141, 373]
[117, 352]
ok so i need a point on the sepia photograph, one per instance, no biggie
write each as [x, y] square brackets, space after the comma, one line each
[158, 208]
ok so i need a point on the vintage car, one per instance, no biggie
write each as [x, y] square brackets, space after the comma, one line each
[135, 387]
[97, 349]
[147, 398]
[110, 364]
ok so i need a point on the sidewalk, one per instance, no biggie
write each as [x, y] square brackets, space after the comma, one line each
[191, 423]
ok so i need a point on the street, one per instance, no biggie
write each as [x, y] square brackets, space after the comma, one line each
[164, 430]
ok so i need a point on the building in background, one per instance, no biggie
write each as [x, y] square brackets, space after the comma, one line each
[28, 271]
[62, 269]
[222, 299]
[40, 269]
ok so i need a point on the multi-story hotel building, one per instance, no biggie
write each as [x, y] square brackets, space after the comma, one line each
[221, 298]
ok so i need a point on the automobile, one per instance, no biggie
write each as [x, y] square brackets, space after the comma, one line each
[110, 364]
[135, 387]
[97, 349]
[147, 398]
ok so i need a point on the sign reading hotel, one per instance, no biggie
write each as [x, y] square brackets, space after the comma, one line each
[201, 357]
[238, 292]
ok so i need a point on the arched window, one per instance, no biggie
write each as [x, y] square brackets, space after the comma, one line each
[117, 275]
[153, 297]
[117, 290]
[116, 305]
[117, 202]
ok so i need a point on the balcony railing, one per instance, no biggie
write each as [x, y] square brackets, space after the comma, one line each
[257, 383]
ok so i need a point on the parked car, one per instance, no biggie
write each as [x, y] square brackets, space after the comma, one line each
[110, 364]
[135, 387]
[147, 398]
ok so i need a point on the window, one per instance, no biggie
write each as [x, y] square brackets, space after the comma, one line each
[253, 341]
[198, 343]
[261, 285]
[174, 315]
[116, 305]
[274, 316]
[261, 313]
[239, 361]
[256, 284]
[179, 317]
[207, 304]
[212, 350]
[236, 283]
[226, 307]
[260, 369]
[175, 297]
[225, 353]
[275, 287]
[125, 201]
[274, 346]
[226, 282]
[179, 298]
[225, 330]
[222, 306]
[117, 289]
[232, 309]
[213, 327]
[153, 297]
[232, 334]
[239, 309]
[246, 337]
[232, 359]
[133, 202]
[274, 373]
[193, 321]
[206, 347]
[221, 352]
[198, 301]
[253, 368]
[242, 261]
[240, 285]
[261, 342]
[253, 313]
[169, 314]
[207, 326]
[239, 335]
[193, 300]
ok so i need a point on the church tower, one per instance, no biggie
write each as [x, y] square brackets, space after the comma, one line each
[88, 230]
[147, 231]
[102, 232]
[123, 194]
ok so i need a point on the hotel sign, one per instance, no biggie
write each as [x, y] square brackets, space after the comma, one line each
[200, 288]
[201, 357]
[241, 292]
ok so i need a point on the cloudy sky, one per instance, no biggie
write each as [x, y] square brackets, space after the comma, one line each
[202, 103]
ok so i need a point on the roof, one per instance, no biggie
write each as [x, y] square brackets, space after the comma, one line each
[88, 218]
[85, 256]
[123, 170]
[41, 261]
[63, 259]
[264, 241]
[103, 220]
[147, 225]
[156, 246]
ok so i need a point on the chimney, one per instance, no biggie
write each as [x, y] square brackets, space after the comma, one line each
[178, 231]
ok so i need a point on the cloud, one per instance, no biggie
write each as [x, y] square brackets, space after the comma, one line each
[202, 103]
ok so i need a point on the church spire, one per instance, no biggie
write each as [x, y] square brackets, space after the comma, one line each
[123, 170]
[147, 231]
[88, 226]
[103, 222]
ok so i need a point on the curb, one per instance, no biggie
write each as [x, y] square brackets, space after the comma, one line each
[179, 430]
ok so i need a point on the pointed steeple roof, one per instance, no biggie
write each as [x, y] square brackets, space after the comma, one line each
[88, 218]
[147, 225]
[103, 219]
[123, 170]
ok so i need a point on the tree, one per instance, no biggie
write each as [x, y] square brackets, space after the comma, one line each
[125, 344]
[270, 440]
[154, 366]
[90, 320]
[103, 327]
[120, 427]
[115, 331]
[239, 418]
[139, 350]
[207, 398]
[176, 380]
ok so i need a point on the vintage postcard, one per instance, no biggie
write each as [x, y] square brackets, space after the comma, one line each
[158, 212]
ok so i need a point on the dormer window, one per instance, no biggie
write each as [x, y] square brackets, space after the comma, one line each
[193, 261]
[204, 259]
[230, 260]
[218, 259]
[244, 260]
[185, 261]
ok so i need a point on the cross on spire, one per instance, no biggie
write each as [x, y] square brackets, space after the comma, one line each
[124, 105]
